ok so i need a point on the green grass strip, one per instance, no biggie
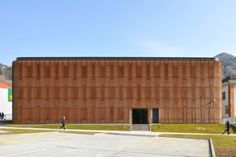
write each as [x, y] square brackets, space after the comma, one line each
[21, 131]
[75, 126]
[189, 128]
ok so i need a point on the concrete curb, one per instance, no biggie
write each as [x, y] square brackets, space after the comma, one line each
[211, 148]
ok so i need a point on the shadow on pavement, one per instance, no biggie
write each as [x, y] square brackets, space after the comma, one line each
[4, 122]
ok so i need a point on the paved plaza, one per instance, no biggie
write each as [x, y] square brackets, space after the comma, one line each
[56, 144]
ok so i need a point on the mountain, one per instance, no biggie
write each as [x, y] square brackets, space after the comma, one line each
[5, 74]
[228, 64]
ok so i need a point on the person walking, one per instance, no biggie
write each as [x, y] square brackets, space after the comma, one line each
[1, 117]
[227, 127]
[63, 123]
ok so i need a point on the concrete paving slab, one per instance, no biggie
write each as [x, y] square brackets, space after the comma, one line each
[99, 145]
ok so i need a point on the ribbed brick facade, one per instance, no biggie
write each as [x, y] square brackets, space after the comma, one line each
[231, 100]
[104, 90]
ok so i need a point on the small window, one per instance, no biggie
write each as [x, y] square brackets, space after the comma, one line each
[227, 110]
[223, 95]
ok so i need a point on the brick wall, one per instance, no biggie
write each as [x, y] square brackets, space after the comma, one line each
[231, 100]
[103, 91]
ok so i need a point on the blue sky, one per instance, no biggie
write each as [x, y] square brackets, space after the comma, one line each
[160, 28]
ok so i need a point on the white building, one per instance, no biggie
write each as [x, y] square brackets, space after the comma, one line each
[229, 99]
[6, 100]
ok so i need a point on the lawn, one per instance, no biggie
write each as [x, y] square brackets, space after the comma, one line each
[77, 126]
[21, 131]
[189, 128]
[225, 146]
[184, 128]
[26, 131]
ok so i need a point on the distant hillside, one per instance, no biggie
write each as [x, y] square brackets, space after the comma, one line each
[228, 64]
[5, 74]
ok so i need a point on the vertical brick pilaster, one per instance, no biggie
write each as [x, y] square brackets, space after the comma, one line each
[231, 100]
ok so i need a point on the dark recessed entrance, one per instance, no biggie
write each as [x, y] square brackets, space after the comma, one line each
[140, 116]
[155, 115]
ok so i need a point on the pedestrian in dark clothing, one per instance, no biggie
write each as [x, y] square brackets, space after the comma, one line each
[227, 127]
[63, 123]
[1, 117]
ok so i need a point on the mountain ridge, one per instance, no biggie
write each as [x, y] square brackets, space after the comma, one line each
[5, 74]
[228, 64]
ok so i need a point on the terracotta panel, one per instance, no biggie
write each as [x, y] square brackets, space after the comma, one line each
[105, 91]
[231, 100]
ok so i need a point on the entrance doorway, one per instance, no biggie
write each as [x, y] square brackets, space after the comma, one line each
[155, 115]
[140, 116]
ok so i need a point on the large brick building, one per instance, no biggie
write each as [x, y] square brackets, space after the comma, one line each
[117, 90]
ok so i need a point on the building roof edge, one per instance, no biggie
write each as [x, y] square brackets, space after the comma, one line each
[116, 58]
